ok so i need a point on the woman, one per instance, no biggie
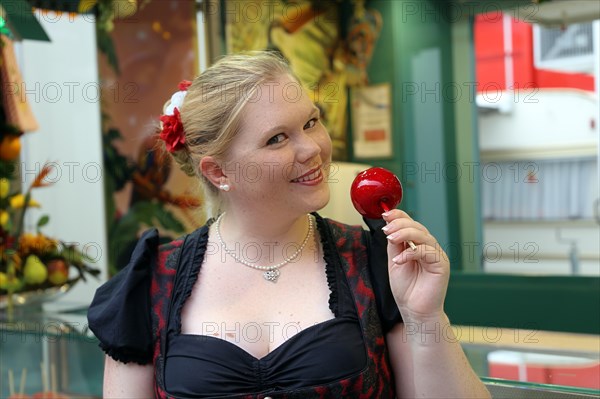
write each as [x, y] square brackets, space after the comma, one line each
[269, 299]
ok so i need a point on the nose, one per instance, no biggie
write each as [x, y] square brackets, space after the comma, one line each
[308, 148]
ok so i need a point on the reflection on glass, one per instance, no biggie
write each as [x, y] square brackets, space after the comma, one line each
[544, 368]
[533, 356]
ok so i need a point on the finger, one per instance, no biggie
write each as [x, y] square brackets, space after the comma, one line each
[395, 214]
[397, 224]
[431, 257]
[393, 250]
[415, 235]
[403, 220]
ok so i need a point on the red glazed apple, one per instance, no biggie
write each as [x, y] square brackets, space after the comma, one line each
[375, 191]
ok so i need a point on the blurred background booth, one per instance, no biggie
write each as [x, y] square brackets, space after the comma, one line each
[487, 111]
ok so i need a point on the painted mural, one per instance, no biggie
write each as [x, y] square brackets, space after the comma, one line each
[328, 44]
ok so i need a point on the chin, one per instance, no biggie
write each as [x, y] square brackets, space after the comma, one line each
[322, 201]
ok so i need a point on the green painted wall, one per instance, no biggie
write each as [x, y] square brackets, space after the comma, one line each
[532, 303]
[425, 51]
[413, 55]
[466, 177]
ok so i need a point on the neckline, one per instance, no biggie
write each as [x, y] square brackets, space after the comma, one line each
[190, 276]
[288, 342]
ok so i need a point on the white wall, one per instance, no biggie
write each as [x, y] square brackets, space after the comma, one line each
[340, 206]
[61, 80]
[550, 120]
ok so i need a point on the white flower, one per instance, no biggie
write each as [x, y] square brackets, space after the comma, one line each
[176, 101]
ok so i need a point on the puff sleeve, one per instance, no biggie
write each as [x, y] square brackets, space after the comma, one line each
[380, 279]
[119, 314]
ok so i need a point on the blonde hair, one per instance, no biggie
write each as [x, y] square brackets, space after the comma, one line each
[212, 109]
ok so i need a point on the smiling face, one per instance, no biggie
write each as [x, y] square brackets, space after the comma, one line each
[280, 158]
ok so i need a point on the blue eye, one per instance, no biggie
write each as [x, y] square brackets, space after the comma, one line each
[278, 138]
[311, 123]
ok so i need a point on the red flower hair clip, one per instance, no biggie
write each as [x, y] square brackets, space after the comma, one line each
[172, 129]
[184, 84]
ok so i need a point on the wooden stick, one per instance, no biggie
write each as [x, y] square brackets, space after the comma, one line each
[11, 382]
[23, 379]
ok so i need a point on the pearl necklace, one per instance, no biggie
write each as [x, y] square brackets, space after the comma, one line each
[271, 273]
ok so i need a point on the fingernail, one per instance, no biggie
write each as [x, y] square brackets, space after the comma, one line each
[391, 236]
[396, 259]
[386, 213]
[385, 228]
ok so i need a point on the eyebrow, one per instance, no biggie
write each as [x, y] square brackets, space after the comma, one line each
[314, 110]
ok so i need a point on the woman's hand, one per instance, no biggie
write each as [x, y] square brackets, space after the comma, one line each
[418, 278]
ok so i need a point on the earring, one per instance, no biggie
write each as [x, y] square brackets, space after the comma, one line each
[224, 187]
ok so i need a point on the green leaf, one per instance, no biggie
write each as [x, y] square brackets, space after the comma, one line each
[113, 134]
[150, 212]
[143, 211]
[168, 220]
[42, 221]
[123, 233]
[107, 47]
[7, 169]
[118, 167]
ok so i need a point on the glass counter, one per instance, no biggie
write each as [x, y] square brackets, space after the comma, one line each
[42, 351]
[55, 351]
[533, 364]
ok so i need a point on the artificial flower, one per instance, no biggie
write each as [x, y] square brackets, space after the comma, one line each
[176, 102]
[184, 84]
[39, 179]
[30, 243]
[172, 131]
[28, 260]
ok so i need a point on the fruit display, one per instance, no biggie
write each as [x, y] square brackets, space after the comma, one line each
[37, 269]
[10, 147]
[30, 262]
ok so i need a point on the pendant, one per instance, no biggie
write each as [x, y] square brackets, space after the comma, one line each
[271, 275]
